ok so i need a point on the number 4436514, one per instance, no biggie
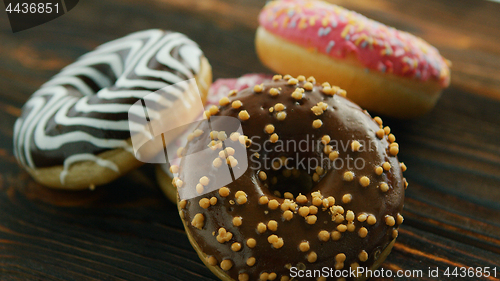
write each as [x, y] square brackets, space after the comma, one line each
[33, 8]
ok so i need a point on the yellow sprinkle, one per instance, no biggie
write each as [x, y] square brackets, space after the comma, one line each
[214, 110]
[207, 114]
[279, 107]
[394, 150]
[174, 169]
[223, 101]
[364, 181]
[312, 21]
[325, 21]
[281, 116]
[244, 115]
[274, 138]
[328, 91]
[348, 176]
[322, 105]
[297, 95]
[333, 155]
[258, 88]
[263, 176]
[237, 104]
[380, 133]
[269, 129]
[285, 22]
[387, 130]
[342, 92]
[325, 139]
[302, 24]
[355, 146]
[386, 166]
[403, 167]
[274, 92]
[391, 138]
[317, 123]
[345, 31]
[292, 81]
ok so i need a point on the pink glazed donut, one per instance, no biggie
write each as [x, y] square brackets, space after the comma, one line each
[384, 70]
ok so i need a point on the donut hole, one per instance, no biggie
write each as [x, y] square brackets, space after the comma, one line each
[283, 177]
[293, 181]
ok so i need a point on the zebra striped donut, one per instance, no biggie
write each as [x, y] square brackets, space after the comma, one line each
[73, 132]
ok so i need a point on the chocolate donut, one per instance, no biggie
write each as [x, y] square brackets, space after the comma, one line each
[74, 132]
[323, 188]
[218, 90]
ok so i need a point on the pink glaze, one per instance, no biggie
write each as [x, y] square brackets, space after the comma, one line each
[337, 32]
[221, 87]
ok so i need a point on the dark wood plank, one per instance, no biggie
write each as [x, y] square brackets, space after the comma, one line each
[127, 230]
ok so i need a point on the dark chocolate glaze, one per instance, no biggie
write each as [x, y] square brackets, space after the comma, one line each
[344, 122]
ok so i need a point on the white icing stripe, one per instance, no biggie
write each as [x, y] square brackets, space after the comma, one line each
[191, 53]
[163, 56]
[132, 60]
[56, 116]
[72, 81]
[83, 106]
[96, 76]
[149, 36]
[85, 157]
[142, 69]
[54, 142]
[62, 119]
[107, 94]
[17, 128]
[38, 111]
[112, 60]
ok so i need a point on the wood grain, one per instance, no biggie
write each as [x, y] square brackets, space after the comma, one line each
[127, 230]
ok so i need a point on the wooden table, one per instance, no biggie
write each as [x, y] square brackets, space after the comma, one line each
[127, 230]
